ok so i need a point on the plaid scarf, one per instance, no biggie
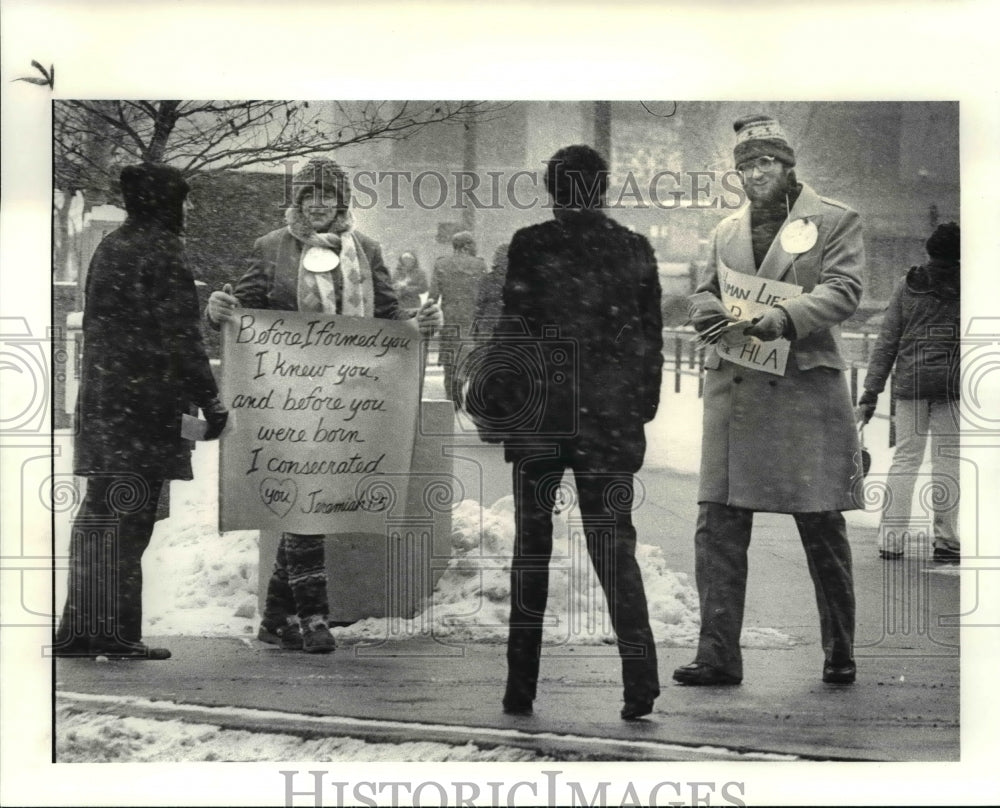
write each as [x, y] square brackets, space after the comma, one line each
[354, 295]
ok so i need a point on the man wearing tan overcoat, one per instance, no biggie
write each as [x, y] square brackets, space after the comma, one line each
[777, 442]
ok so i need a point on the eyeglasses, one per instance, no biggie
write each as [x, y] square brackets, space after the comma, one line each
[764, 163]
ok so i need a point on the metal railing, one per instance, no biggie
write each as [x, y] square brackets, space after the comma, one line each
[683, 357]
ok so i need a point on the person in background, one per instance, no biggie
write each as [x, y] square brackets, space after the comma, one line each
[587, 382]
[778, 444]
[454, 281]
[489, 295]
[144, 367]
[919, 339]
[319, 262]
[409, 280]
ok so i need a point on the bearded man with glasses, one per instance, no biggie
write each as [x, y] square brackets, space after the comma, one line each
[776, 442]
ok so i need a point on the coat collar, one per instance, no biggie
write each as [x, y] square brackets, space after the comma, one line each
[738, 251]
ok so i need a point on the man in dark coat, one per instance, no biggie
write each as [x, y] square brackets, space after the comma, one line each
[455, 281]
[489, 294]
[777, 443]
[920, 338]
[587, 293]
[144, 366]
[318, 262]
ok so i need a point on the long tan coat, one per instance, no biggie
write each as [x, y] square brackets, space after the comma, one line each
[787, 444]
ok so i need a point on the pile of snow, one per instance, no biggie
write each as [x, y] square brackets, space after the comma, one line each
[85, 737]
[472, 598]
[201, 582]
[196, 580]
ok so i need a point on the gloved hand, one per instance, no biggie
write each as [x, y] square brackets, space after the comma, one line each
[430, 318]
[866, 406]
[217, 416]
[710, 327]
[769, 326]
[221, 305]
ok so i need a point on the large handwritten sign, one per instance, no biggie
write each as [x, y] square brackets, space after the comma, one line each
[747, 297]
[322, 408]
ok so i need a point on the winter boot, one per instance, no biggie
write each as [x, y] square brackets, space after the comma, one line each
[316, 636]
[288, 636]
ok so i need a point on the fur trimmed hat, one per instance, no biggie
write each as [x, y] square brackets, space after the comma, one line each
[945, 242]
[758, 135]
[324, 177]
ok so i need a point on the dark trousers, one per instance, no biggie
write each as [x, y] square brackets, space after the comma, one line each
[722, 537]
[449, 347]
[298, 582]
[111, 531]
[605, 502]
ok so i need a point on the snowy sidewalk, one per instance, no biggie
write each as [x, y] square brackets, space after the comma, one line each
[905, 705]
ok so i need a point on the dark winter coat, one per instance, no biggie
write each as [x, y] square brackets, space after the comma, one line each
[786, 444]
[409, 285]
[587, 293]
[456, 279]
[144, 364]
[489, 295]
[920, 334]
[272, 281]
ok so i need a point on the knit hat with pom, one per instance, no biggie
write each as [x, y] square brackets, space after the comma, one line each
[758, 135]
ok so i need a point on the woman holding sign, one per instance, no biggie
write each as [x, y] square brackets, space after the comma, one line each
[317, 263]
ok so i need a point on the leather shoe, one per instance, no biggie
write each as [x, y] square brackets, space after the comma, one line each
[699, 674]
[136, 651]
[840, 674]
[517, 707]
[636, 709]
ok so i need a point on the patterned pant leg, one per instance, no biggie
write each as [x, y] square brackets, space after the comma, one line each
[279, 604]
[305, 558]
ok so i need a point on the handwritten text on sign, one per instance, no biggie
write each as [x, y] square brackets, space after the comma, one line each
[747, 297]
[321, 409]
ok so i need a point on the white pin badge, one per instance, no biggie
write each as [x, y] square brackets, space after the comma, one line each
[320, 259]
[799, 236]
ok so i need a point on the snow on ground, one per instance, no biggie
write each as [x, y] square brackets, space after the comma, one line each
[86, 737]
[199, 582]
[206, 583]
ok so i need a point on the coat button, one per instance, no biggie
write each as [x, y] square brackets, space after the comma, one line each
[737, 379]
[773, 383]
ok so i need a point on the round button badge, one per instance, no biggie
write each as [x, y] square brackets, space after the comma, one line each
[320, 259]
[799, 236]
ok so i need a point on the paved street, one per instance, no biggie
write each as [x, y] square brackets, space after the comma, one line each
[904, 707]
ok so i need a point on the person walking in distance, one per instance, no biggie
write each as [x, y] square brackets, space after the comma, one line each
[455, 281]
[919, 342]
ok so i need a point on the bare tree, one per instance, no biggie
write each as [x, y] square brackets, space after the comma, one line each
[204, 135]
[93, 139]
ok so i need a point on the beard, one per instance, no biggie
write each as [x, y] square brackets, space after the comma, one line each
[769, 189]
